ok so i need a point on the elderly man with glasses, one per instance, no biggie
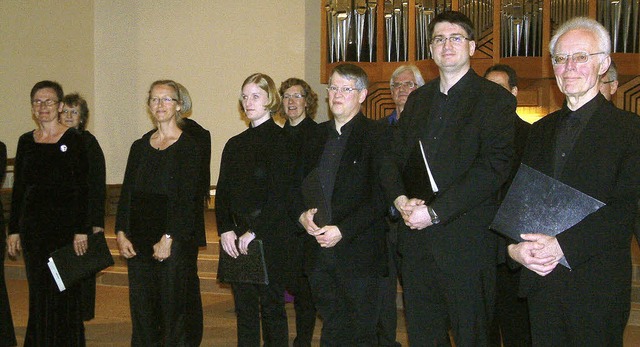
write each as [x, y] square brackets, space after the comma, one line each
[462, 125]
[593, 147]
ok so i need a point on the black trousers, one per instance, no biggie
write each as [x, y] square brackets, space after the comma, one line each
[388, 316]
[511, 327]
[261, 303]
[7, 333]
[348, 307]
[560, 318]
[305, 309]
[159, 294]
[459, 296]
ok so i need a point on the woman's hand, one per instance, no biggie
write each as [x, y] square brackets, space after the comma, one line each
[80, 243]
[244, 242]
[13, 245]
[125, 246]
[228, 241]
[162, 249]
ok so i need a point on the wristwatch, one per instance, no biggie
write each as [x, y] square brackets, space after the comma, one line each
[434, 217]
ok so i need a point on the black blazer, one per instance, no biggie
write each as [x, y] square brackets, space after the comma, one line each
[357, 204]
[185, 198]
[605, 164]
[472, 162]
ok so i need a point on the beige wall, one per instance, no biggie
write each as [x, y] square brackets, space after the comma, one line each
[42, 39]
[209, 46]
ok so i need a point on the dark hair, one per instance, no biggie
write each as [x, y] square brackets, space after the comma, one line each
[74, 100]
[47, 84]
[310, 97]
[352, 72]
[454, 17]
[511, 73]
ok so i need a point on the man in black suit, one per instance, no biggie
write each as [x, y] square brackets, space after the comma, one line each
[465, 124]
[344, 254]
[595, 148]
[511, 326]
[404, 80]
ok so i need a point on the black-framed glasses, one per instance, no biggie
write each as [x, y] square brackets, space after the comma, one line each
[343, 90]
[455, 39]
[577, 57]
[166, 100]
[296, 96]
[47, 102]
[407, 84]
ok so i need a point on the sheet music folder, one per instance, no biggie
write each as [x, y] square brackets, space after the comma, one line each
[246, 268]
[67, 268]
[417, 178]
[537, 203]
[314, 197]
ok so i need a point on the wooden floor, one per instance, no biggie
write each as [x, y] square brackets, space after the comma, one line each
[112, 325]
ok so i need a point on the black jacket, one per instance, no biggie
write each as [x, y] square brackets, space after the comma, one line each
[185, 198]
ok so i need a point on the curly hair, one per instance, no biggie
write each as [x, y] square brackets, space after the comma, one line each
[310, 97]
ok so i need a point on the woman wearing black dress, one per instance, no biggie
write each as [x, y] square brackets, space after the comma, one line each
[250, 204]
[75, 114]
[7, 334]
[48, 211]
[157, 225]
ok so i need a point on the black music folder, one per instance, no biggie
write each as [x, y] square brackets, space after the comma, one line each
[67, 268]
[246, 268]
[537, 203]
[314, 197]
[417, 178]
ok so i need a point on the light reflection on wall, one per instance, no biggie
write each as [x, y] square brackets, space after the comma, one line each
[532, 114]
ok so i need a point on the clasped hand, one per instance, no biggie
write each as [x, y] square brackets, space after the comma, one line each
[228, 240]
[539, 253]
[327, 236]
[414, 212]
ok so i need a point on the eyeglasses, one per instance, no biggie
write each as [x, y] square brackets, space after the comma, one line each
[48, 102]
[577, 57]
[166, 100]
[343, 90]
[454, 39]
[72, 112]
[408, 85]
[293, 96]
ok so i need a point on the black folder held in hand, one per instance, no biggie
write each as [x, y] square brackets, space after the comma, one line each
[246, 268]
[539, 204]
[67, 268]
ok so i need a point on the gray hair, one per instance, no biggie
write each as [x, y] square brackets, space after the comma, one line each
[586, 24]
[414, 69]
[353, 73]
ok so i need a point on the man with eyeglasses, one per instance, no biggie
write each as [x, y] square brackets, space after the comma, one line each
[344, 253]
[462, 125]
[609, 82]
[404, 80]
[593, 147]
